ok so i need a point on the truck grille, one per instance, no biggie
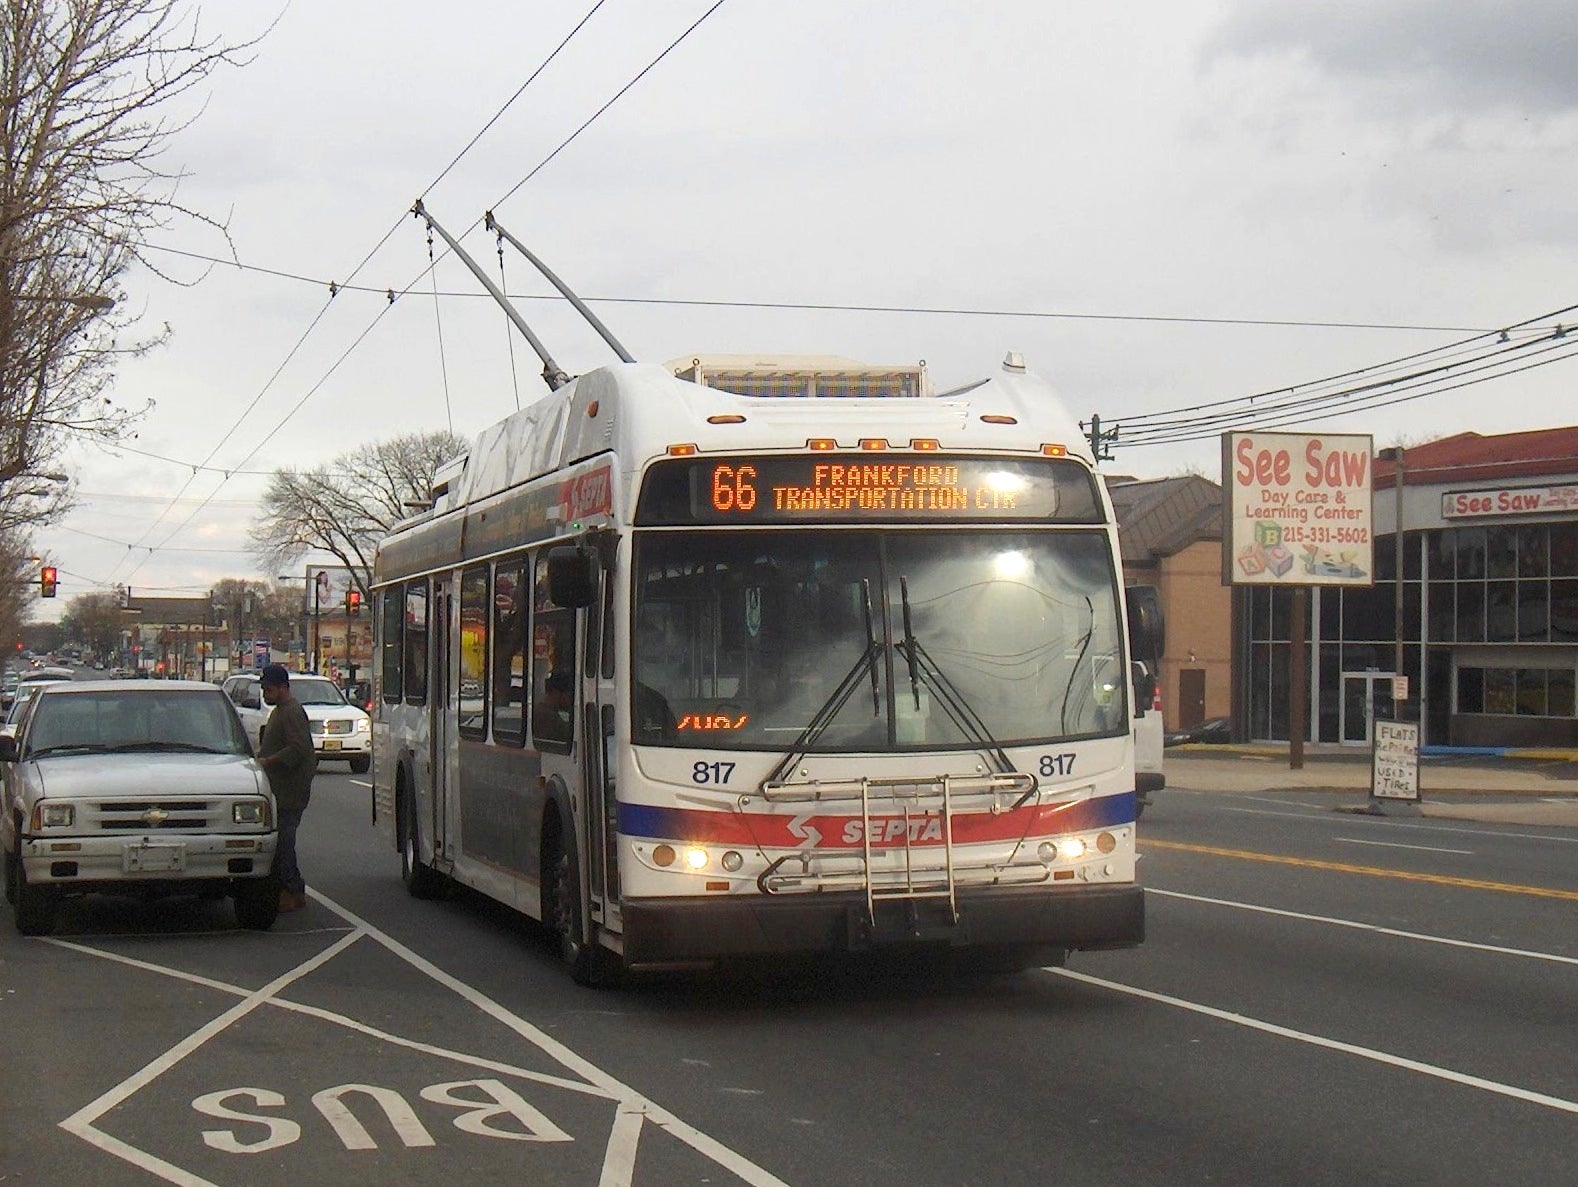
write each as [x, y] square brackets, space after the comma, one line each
[330, 727]
[155, 815]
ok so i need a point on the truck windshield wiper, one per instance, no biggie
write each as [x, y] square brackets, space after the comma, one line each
[924, 669]
[180, 747]
[837, 699]
[69, 748]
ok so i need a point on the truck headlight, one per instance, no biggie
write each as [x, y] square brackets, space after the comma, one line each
[364, 725]
[56, 815]
[249, 812]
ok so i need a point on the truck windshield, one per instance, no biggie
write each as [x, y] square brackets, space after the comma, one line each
[744, 639]
[169, 719]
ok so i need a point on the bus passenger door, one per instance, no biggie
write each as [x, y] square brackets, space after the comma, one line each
[440, 716]
[597, 756]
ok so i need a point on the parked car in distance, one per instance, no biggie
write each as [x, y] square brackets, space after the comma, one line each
[339, 730]
[144, 787]
[1213, 730]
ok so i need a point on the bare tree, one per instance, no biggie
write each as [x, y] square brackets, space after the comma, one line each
[343, 509]
[18, 589]
[91, 93]
[94, 619]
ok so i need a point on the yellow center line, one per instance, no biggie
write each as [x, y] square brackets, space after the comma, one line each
[1342, 867]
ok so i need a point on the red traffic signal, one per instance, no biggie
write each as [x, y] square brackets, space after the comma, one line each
[353, 601]
[48, 578]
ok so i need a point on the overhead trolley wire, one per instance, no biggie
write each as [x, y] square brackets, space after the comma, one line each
[334, 288]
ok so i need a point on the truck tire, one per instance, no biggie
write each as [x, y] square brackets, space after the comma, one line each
[257, 902]
[35, 905]
[360, 766]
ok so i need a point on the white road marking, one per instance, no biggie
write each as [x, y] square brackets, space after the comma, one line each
[1399, 845]
[1314, 1040]
[633, 1109]
[1447, 941]
[81, 1122]
[1323, 812]
[736, 1164]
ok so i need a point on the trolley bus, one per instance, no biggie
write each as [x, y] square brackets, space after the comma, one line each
[732, 658]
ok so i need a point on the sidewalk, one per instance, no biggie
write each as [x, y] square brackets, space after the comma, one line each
[1541, 791]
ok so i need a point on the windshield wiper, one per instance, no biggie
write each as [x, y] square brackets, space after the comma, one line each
[178, 747]
[1084, 646]
[836, 701]
[68, 748]
[924, 668]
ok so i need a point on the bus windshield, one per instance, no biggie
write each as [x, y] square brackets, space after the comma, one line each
[871, 641]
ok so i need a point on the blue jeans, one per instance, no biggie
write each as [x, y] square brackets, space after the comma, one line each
[285, 868]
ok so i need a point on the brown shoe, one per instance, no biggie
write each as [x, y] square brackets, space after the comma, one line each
[300, 901]
[288, 901]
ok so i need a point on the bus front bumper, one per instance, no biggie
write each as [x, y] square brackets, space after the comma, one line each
[670, 931]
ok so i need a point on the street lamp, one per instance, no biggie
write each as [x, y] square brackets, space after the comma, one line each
[1395, 456]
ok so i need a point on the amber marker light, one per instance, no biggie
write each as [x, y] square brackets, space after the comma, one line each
[873, 443]
[925, 445]
[993, 418]
[821, 444]
[663, 855]
[726, 418]
[1055, 450]
[688, 450]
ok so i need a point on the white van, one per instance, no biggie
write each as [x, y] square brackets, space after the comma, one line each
[1147, 723]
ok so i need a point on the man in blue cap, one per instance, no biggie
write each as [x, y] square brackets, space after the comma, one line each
[288, 757]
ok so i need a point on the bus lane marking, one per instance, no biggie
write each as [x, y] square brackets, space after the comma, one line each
[1298, 1036]
[1311, 863]
[632, 1109]
[1377, 929]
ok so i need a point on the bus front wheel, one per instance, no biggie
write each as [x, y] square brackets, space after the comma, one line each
[421, 880]
[589, 962]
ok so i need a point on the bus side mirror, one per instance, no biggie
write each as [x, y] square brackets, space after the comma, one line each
[569, 577]
[1147, 630]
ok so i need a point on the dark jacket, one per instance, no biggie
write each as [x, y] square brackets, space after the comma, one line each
[291, 759]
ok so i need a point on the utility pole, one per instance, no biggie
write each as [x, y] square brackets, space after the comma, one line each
[1101, 440]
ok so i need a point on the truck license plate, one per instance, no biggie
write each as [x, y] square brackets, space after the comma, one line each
[145, 858]
[330, 744]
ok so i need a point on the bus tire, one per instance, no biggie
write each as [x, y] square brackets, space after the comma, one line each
[421, 880]
[590, 964]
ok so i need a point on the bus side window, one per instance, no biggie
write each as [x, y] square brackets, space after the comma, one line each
[391, 618]
[509, 650]
[416, 642]
[552, 666]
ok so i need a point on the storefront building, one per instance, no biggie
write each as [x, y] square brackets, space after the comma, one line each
[1489, 589]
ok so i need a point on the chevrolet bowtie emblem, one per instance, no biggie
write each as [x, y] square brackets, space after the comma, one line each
[154, 817]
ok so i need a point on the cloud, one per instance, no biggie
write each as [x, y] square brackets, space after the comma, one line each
[1464, 58]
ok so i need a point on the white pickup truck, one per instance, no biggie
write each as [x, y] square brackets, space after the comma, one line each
[134, 787]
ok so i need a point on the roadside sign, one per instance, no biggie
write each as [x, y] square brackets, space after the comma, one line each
[1394, 761]
[260, 652]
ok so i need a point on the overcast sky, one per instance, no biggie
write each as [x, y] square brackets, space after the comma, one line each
[1387, 163]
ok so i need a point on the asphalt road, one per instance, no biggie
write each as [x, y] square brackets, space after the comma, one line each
[1323, 999]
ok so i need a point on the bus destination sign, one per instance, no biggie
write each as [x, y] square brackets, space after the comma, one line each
[828, 488]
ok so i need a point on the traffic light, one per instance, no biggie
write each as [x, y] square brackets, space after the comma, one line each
[353, 602]
[48, 578]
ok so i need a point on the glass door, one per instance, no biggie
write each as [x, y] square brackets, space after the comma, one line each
[1357, 712]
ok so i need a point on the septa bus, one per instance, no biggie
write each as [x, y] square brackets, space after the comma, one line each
[744, 658]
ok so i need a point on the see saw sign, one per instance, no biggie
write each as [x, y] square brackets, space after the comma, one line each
[1296, 509]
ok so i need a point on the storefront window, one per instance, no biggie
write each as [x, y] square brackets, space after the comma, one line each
[1471, 690]
[1531, 692]
[1443, 611]
[1533, 608]
[1470, 612]
[1501, 691]
[1501, 553]
[1443, 555]
[1470, 553]
[1532, 552]
[1564, 612]
[1410, 556]
[1559, 693]
[1501, 611]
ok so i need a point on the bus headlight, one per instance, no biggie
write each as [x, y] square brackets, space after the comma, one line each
[696, 859]
[663, 855]
[732, 861]
[1070, 848]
